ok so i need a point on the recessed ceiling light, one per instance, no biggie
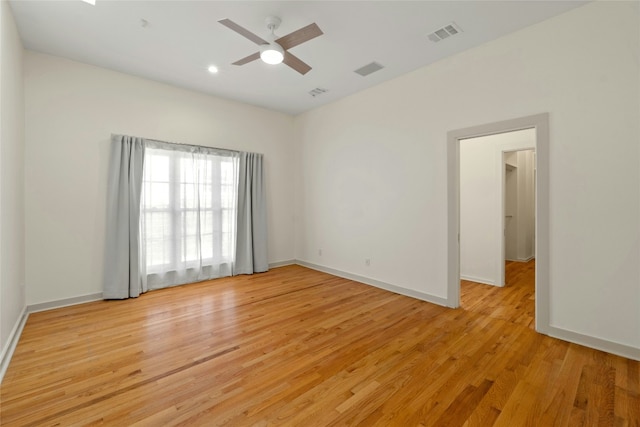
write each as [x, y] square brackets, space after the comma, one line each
[212, 69]
[91, 2]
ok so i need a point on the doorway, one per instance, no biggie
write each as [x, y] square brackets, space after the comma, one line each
[490, 165]
[519, 205]
[539, 125]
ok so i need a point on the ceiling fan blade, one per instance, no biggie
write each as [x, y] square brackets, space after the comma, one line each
[247, 59]
[243, 31]
[295, 63]
[302, 35]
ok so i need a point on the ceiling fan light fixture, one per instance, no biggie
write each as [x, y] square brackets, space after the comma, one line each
[275, 50]
[272, 53]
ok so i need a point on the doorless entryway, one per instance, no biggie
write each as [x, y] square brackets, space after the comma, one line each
[490, 222]
[540, 124]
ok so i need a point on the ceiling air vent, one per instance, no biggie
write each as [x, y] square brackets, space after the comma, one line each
[445, 32]
[368, 69]
[318, 91]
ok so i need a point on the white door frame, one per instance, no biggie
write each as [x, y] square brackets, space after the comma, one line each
[541, 123]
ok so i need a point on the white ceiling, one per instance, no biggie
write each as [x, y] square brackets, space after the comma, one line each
[183, 38]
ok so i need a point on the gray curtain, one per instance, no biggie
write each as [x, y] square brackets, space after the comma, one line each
[251, 241]
[124, 274]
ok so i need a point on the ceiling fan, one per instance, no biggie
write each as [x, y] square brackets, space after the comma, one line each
[276, 50]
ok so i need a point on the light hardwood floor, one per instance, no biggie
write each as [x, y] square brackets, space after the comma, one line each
[297, 347]
[514, 303]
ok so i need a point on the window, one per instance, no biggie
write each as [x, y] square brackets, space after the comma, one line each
[188, 214]
[180, 214]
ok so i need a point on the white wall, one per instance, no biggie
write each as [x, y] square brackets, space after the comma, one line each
[510, 208]
[526, 205]
[12, 264]
[71, 111]
[481, 235]
[373, 167]
[519, 206]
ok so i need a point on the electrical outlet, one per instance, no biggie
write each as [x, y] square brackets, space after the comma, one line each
[319, 252]
[367, 262]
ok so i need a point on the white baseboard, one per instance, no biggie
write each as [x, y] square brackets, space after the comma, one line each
[282, 263]
[12, 342]
[33, 308]
[596, 343]
[478, 280]
[377, 283]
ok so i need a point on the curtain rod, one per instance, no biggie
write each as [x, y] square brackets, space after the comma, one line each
[192, 145]
[183, 145]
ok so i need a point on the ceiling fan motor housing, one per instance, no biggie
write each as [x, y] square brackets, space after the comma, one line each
[272, 53]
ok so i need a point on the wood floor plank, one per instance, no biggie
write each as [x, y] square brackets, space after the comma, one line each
[298, 347]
